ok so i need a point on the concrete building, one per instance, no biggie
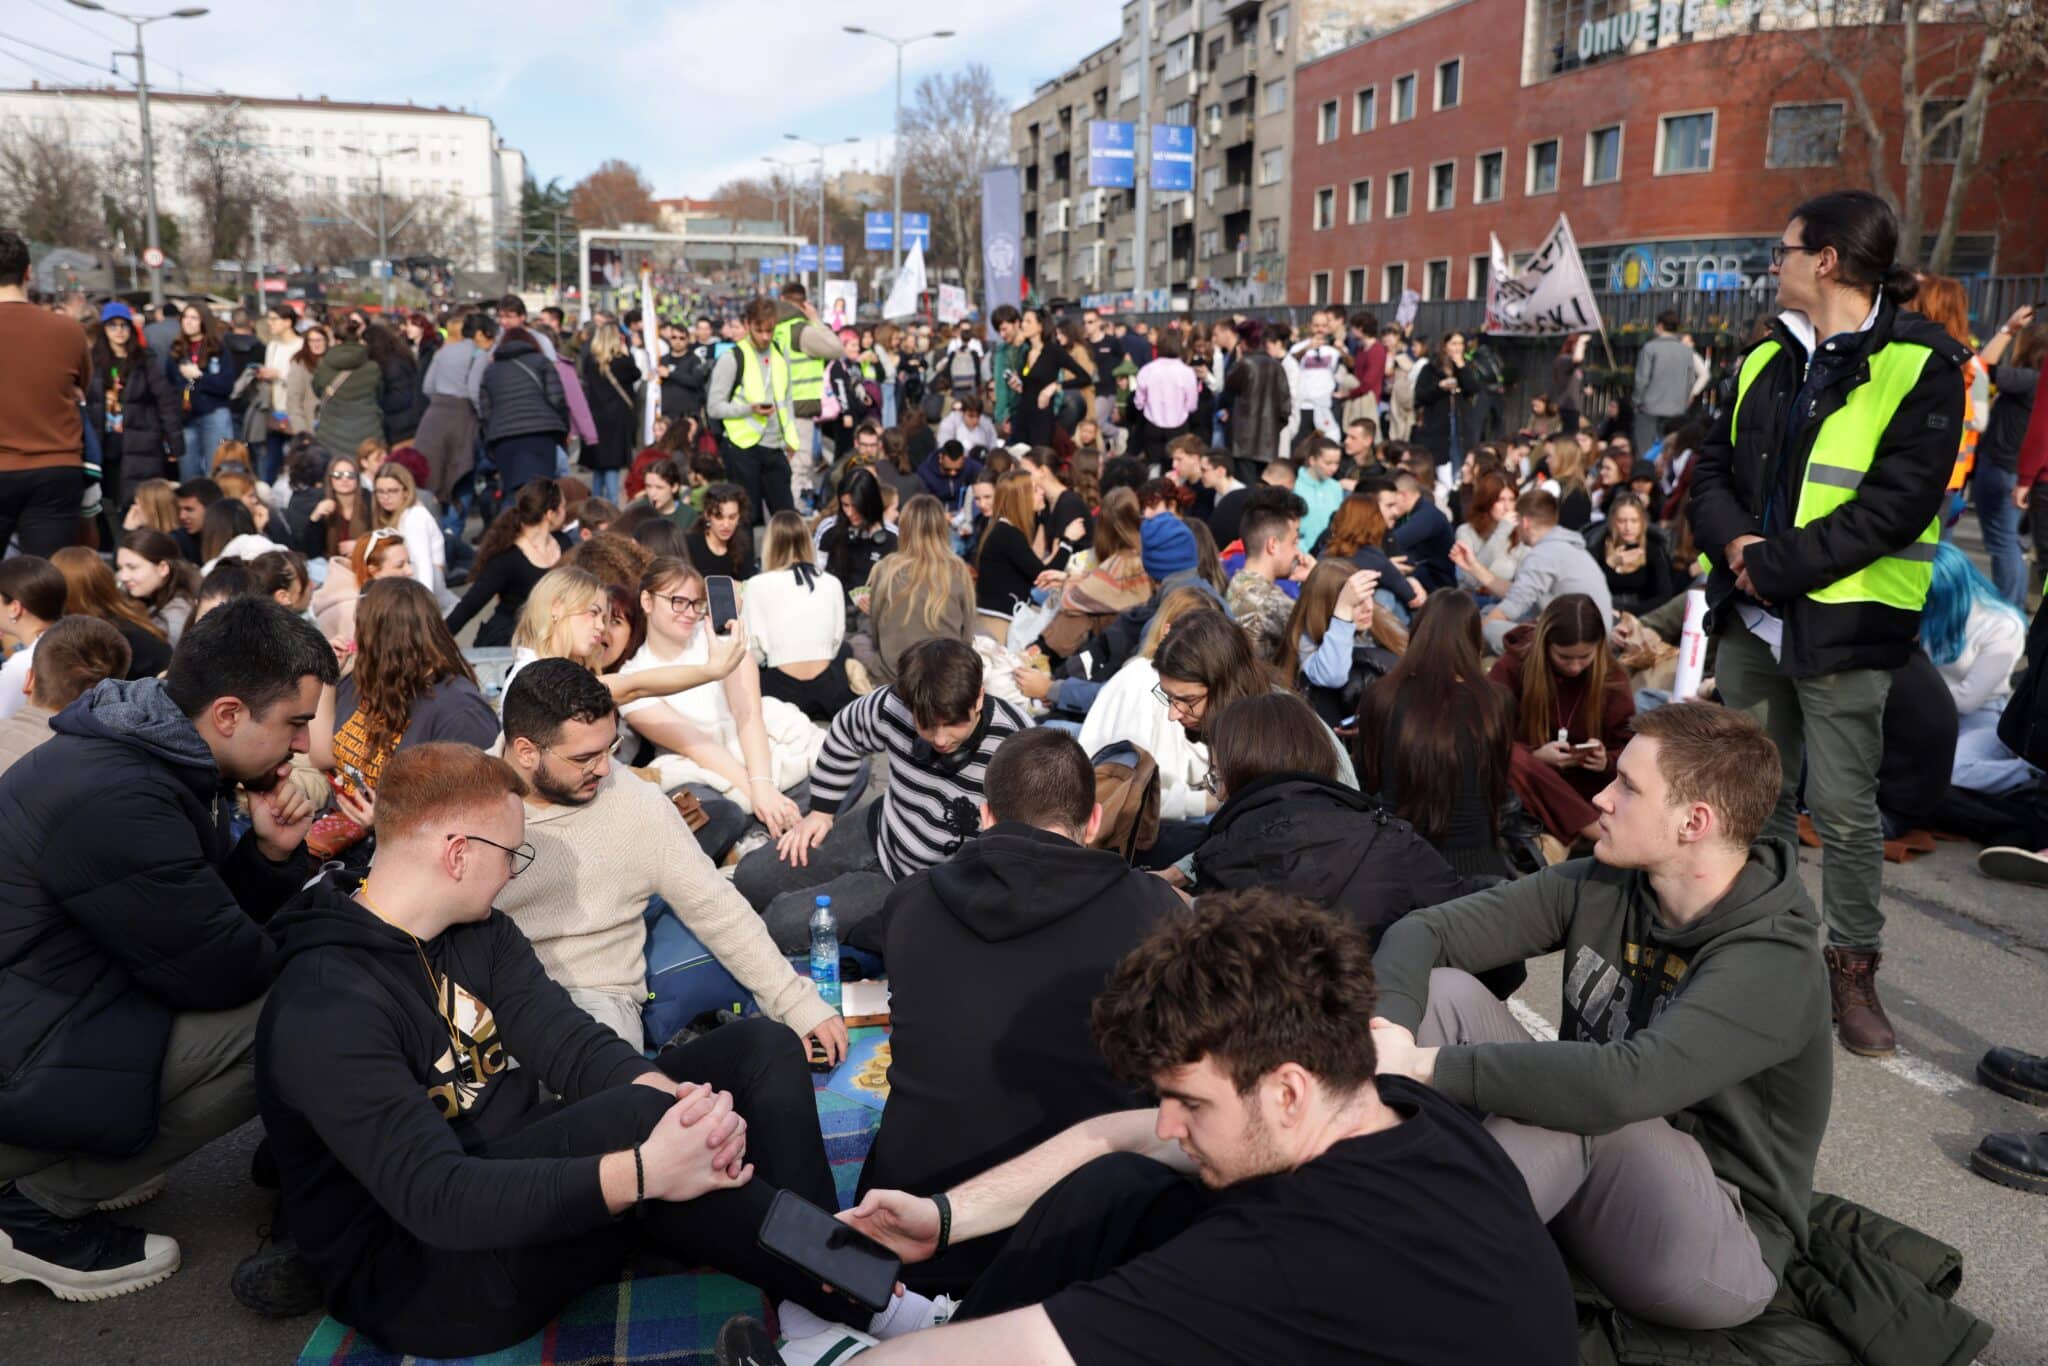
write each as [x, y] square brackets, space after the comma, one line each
[460, 155]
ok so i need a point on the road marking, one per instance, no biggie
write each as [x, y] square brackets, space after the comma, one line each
[1923, 1073]
[1531, 1019]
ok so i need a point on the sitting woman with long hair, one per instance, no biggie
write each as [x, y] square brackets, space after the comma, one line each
[1488, 531]
[719, 540]
[521, 544]
[1117, 581]
[748, 748]
[1325, 654]
[1006, 567]
[395, 503]
[90, 591]
[161, 581]
[1358, 533]
[1572, 708]
[153, 506]
[568, 616]
[331, 528]
[229, 528]
[1633, 555]
[857, 538]
[796, 624]
[921, 592]
[377, 555]
[1976, 638]
[1435, 737]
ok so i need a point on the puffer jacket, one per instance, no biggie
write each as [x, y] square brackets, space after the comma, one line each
[122, 903]
[1737, 469]
[152, 438]
[521, 395]
[353, 413]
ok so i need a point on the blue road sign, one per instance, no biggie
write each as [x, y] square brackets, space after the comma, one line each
[835, 258]
[1173, 157]
[878, 229]
[917, 230]
[1112, 155]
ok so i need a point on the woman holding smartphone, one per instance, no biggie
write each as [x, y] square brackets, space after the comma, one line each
[1572, 708]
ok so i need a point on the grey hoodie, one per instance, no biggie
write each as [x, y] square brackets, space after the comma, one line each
[1720, 1027]
[1552, 567]
[142, 714]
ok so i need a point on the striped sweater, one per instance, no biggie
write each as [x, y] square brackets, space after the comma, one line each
[929, 809]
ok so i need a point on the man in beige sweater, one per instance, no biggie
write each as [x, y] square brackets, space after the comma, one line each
[604, 843]
[71, 659]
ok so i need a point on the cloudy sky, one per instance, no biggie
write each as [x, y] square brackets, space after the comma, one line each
[692, 91]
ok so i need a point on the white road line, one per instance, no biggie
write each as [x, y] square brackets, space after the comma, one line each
[1531, 1019]
[1923, 1073]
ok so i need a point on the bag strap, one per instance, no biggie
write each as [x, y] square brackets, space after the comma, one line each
[334, 388]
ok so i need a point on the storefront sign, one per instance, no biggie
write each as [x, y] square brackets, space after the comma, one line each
[1649, 24]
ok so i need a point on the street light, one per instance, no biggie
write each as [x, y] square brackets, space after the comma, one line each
[820, 147]
[155, 251]
[383, 235]
[896, 220]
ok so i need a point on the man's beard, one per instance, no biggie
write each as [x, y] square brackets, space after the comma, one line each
[269, 778]
[559, 794]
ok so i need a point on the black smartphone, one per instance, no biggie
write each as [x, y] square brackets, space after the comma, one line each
[724, 601]
[820, 1246]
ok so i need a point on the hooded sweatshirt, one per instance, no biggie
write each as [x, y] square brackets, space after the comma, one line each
[374, 1118]
[122, 902]
[1720, 1027]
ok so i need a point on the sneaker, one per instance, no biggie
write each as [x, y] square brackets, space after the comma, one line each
[2013, 865]
[746, 1342]
[274, 1280]
[835, 1344]
[140, 1194]
[748, 843]
[92, 1258]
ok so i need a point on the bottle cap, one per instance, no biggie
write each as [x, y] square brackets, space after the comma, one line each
[824, 901]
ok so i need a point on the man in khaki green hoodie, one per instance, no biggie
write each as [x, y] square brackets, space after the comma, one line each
[1668, 1135]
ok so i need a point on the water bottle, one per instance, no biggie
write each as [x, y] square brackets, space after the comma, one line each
[825, 952]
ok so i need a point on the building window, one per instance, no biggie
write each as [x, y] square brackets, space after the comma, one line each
[1180, 59]
[1212, 181]
[1685, 143]
[1603, 155]
[1276, 28]
[1212, 118]
[1449, 78]
[1212, 243]
[1354, 285]
[1443, 185]
[1394, 282]
[1487, 177]
[1269, 235]
[1325, 208]
[1397, 194]
[1543, 166]
[1272, 165]
[1361, 200]
[1436, 279]
[1365, 109]
[1127, 82]
[1947, 145]
[1805, 135]
[1478, 275]
[1275, 99]
[1326, 122]
[1319, 287]
[1404, 98]
[1180, 113]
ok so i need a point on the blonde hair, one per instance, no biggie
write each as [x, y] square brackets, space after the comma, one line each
[923, 564]
[1567, 464]
[158, 499]
[1172, 608]
[606, 344]
[229, 451]
[561, 593]
[392, 470]
[788, 543]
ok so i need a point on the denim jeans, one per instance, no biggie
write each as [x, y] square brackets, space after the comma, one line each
[203, 432]
[605, 484]
[2000, 522]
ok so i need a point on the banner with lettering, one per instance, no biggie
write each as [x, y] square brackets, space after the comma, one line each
[1549, 297]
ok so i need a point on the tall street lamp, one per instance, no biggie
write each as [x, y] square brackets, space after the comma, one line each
[820, 148]
[383, 232]
[896, 220]
[155, 255]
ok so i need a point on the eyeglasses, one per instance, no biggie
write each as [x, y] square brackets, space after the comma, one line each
[681, 604]
[522, 857]
[595, 761]
[1780, 250]
[1184, 705]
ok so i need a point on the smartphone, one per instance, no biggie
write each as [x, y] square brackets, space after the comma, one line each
[354, 775]
[724, 602]
[820, 1246]
[1587, 744]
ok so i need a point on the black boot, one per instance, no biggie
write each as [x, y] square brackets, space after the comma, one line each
[2016, 1160]
[2023, 1076]
[274, 1280]
[92, 1258]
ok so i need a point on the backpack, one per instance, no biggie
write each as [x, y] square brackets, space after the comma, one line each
[1485, 369]
[1127, 789]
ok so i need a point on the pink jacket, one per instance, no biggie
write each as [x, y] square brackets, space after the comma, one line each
[580, 421]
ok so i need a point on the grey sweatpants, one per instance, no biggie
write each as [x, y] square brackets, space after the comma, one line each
[1639, 1209]
[207, 1088]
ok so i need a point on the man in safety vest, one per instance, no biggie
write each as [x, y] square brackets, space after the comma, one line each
[753, 399]
[1816, 501]
[807, 345]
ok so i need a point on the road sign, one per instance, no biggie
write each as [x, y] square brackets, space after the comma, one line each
[877, 231]
[878, 235]
[835, 258]
[153, 257]
[1173, 157]
[1112, 155]
[917, 230]
[807, 256]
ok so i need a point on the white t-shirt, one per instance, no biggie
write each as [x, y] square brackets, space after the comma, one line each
[14, 680]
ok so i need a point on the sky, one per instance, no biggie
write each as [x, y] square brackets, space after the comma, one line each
[694, 92]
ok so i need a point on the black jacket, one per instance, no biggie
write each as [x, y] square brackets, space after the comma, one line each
[152, 437]
[1436, 405]
[400, 397]
[684, 388]
[521, 394]
[1650, 587]
[374, 1120]
[611, 409]
[1297, 833]
[1908, 480]
[122, 903]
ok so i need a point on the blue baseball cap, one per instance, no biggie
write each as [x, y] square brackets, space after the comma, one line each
[113, 309]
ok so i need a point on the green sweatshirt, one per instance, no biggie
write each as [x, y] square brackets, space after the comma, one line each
[1720, 1027]
[1004, 358]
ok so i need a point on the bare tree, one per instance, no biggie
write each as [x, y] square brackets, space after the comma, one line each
[48, 191]
[219, 168]
[955, 128]
[612, 195]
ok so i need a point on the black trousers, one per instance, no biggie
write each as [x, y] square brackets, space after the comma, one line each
[41, 507]
[763, 471]
[468, 1303]
[1113, 1210]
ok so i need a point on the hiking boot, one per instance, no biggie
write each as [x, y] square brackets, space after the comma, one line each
[274, 1280]
[2016, 1160]
[2023, 1076]
[1859, 1016]
[92, 1258]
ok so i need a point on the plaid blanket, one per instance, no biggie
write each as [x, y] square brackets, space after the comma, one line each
[645, 1319]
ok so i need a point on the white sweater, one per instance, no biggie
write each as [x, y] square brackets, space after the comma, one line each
[1993, 642]
[595, 867]
[424, 547]
[1126, 709]
[787, 623]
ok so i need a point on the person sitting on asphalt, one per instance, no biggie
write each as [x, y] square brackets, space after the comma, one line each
[1337, 1215]
[130, 936]
[443, 1206]
[605, 842]
[1272, 552]
[994, 956]
[1554, 562]
[939, 730]
[71, 659]
[1668, 1135]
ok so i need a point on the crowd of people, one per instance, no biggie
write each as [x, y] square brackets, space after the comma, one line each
[1200, 726]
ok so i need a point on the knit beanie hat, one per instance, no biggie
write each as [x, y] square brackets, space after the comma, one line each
[1166, 546]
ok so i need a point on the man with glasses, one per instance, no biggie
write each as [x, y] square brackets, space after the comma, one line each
[612, 850]
[443, 1205]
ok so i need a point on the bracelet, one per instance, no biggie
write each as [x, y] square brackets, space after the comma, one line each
[945, 1221]
[769, 781]
[639, 1179]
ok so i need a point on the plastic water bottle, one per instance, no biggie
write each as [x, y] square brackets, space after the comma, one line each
[825, 952]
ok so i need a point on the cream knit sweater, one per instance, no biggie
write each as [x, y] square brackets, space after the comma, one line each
[594, 868]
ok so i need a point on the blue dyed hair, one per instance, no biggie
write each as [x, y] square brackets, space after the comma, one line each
[1959, 588]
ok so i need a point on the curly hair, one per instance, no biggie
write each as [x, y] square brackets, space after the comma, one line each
[403, 652]
[1252, 979]
[615, 559]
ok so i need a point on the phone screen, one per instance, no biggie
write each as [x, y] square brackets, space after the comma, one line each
[724, 602]
[817, 1244]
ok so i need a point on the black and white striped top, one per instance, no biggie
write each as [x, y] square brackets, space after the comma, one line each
[928, 810]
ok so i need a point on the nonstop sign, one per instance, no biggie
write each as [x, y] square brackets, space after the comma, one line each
[1649, 24]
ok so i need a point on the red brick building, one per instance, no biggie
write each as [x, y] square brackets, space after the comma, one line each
[1675, 154]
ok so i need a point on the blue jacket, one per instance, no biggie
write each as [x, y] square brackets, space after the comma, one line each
[948, 488]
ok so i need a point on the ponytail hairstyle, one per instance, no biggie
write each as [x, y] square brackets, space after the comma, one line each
[1864, 233]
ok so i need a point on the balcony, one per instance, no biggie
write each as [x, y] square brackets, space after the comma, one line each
[1230, 199]
[1052, 242]
[1052, 144]
[1232, 130]
[1030, 200]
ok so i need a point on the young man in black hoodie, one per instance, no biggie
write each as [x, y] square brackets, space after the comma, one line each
[446, 1208]
[131, 948]
[1668, 1135]
[994, 957]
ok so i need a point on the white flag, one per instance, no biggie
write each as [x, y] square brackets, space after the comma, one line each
[909, 284]
[1550, 298]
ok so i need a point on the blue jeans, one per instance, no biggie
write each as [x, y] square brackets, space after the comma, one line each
[1983, 763]
[203, 432]
[2000, 522]
[605, 484]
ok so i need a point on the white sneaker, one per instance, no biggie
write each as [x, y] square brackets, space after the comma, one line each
[836, 1344]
